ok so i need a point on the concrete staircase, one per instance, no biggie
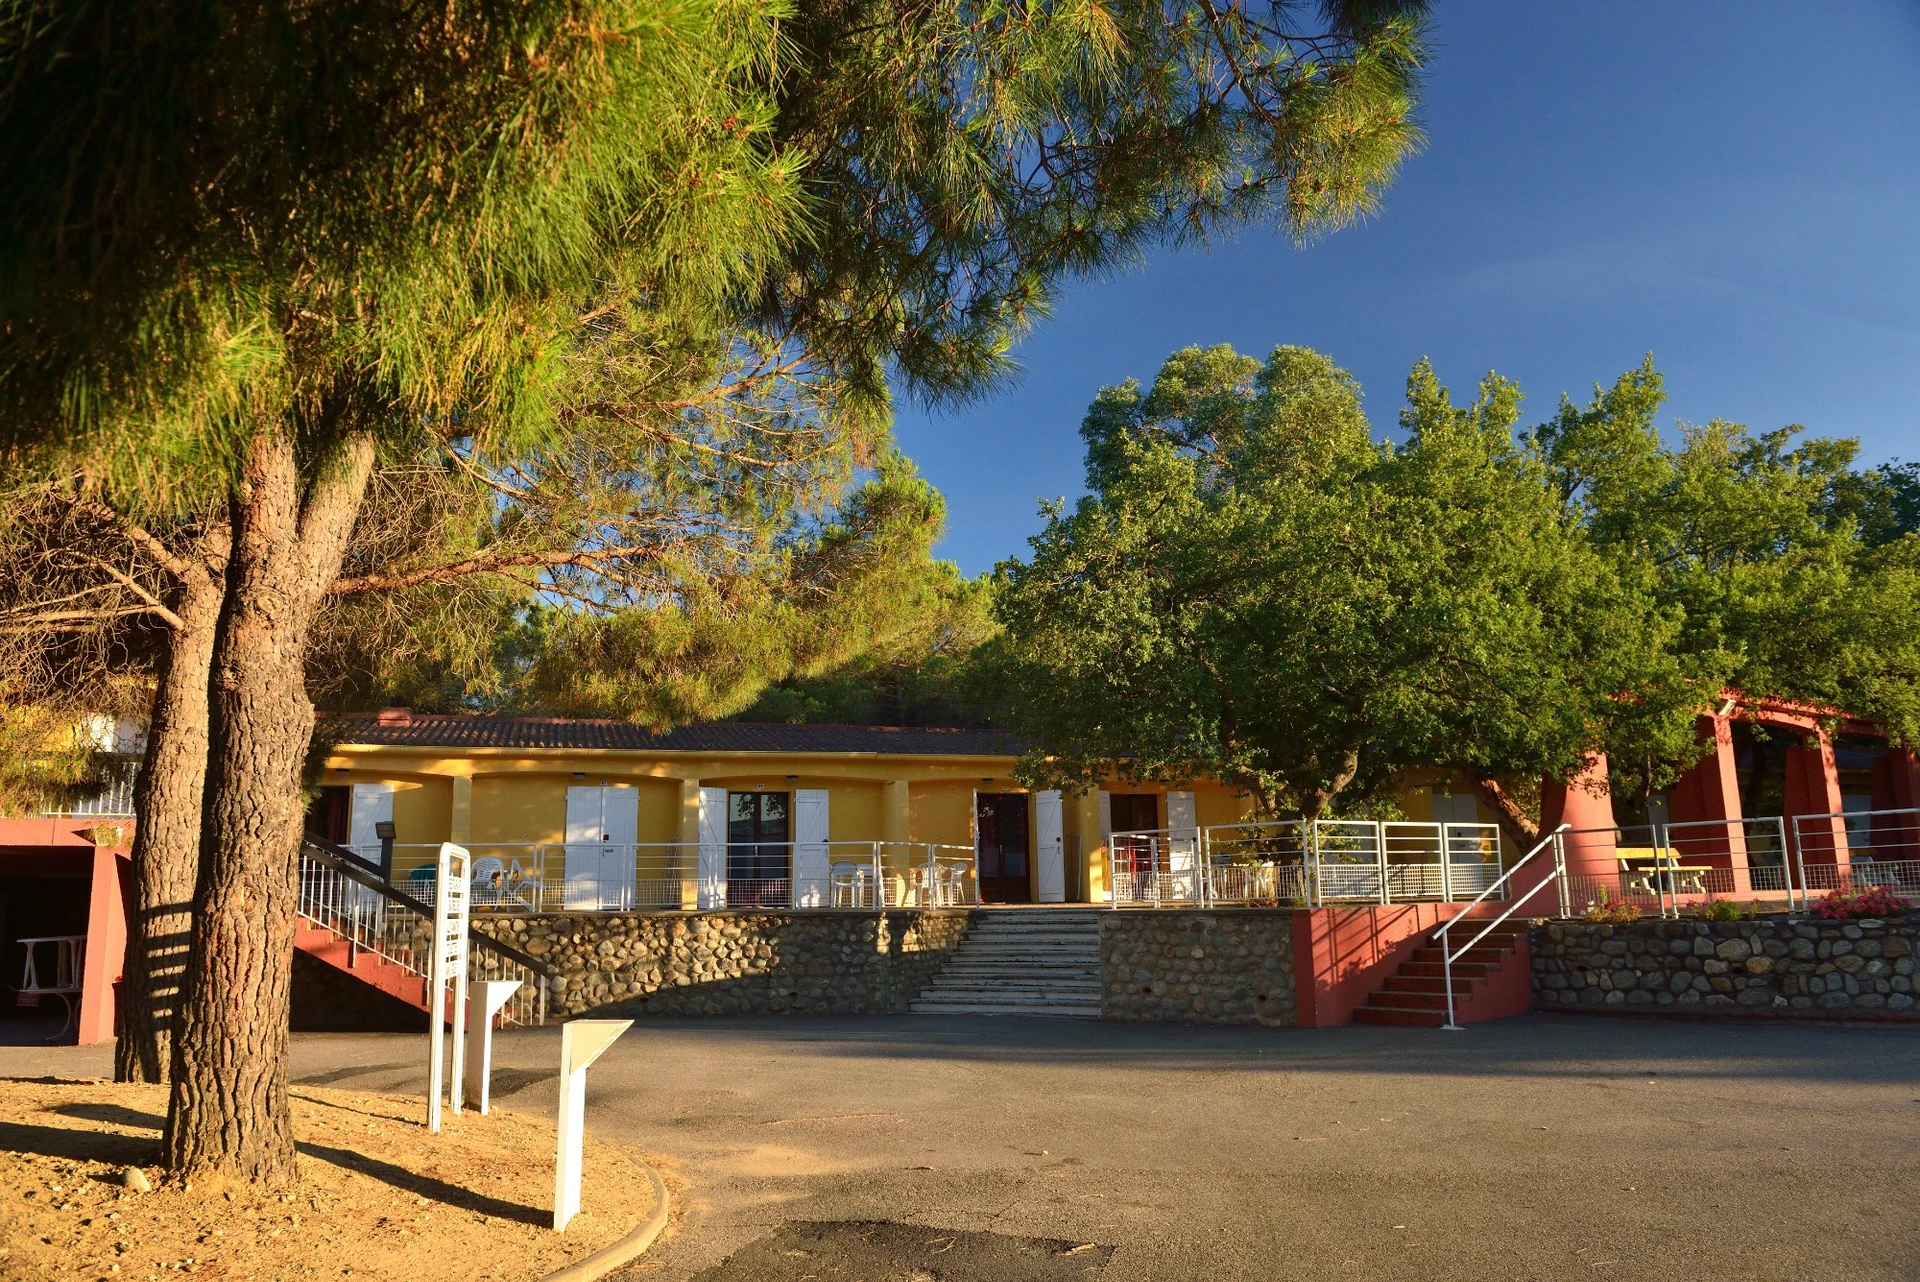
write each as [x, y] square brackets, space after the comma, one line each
[1021, 961]
[1493, 980]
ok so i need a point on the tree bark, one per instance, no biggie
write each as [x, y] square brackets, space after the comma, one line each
[1519, 825]
[228, 1115]
[166, 840]
[1321, 799]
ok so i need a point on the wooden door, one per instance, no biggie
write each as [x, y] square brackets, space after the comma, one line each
[1004, 865]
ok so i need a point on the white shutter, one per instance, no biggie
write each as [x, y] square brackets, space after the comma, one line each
[586, 832]
[620, 822]
[810, 848]
[371, 803]
[1050, 858]
[1183, 843]
[713, 848]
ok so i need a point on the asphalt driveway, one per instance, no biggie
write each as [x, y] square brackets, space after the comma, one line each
[1536, 1148]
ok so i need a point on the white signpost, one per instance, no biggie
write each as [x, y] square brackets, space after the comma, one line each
[581, 1042]
[448, 966]
[488, 996]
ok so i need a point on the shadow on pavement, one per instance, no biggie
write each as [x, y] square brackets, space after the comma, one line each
[1532, 1046]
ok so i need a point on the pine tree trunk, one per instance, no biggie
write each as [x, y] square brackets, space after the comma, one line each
[166, 842]
[228, 1115]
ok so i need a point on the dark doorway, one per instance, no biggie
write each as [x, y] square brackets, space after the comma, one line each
[327, 816]
[1002, 818]
[758, 856]
[1134, 812]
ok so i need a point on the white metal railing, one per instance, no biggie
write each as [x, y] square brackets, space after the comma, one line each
[340, 893]
[1301, 861]
[672, 876]
[1664, 867]
[113, 799]
[1557, 878]
[1857, 850]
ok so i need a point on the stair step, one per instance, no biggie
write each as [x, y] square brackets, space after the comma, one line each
[1399, 1016]
[1078, 1011]
[1472, 969]
[1483, 955]
[1404, 983]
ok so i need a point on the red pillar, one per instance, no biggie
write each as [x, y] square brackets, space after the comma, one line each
[1586, 806]
[1813, 788]
[106, 946]
[1708, 795]
[1896, 786]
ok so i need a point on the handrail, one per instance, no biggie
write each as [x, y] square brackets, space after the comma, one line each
[352, 867]
[1448, 956]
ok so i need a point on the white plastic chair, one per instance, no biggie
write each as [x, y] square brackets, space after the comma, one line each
[489, 880]
[847, 883]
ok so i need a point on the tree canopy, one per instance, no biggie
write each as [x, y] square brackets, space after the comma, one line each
[1259, 590]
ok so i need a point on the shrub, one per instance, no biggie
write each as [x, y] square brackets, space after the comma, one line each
[1718, 910]
[1877, 902]
[1612, 911]
[1714, 909]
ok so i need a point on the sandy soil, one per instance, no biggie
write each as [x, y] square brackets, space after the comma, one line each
[378, 1197]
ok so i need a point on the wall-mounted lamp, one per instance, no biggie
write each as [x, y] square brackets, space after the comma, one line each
[343, 770]
[579, 775]
[988, 779]
[793, 778]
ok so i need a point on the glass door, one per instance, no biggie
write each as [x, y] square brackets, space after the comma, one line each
[1004, 871]
[759, 868]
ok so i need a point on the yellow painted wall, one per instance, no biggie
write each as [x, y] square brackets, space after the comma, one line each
[941, 812]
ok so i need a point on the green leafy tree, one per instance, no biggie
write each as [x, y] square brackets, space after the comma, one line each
[1793, 573]
[1259, 591]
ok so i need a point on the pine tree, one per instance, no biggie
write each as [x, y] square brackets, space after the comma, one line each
[243, 249]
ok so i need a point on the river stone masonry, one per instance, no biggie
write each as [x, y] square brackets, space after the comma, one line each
[1776, 965]
[734, 963]
[1179, 966]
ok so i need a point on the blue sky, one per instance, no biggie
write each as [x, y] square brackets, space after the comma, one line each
[1732, 186]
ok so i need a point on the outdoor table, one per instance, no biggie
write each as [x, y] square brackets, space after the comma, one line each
[69, 951]
[1677, 879]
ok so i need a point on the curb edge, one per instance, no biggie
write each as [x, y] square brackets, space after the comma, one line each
[627, 1249]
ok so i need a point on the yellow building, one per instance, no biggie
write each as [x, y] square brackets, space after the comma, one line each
[603, 814]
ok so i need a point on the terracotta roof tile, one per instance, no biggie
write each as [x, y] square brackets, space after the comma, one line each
[451, 730]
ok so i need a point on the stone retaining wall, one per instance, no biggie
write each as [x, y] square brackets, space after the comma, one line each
[1184, 966]
[1779, 965]
[735, 963]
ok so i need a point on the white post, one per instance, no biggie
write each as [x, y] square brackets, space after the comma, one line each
[489, 995]
[447, 965]
[582, 1041]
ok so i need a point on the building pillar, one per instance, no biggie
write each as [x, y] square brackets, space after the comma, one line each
[1708, 794]
[1813, 788]
[1089, 873]
[686, 861]
[1896, 786]
[896, 811]
[460, 822]
[1592, 851]
[106, 945]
